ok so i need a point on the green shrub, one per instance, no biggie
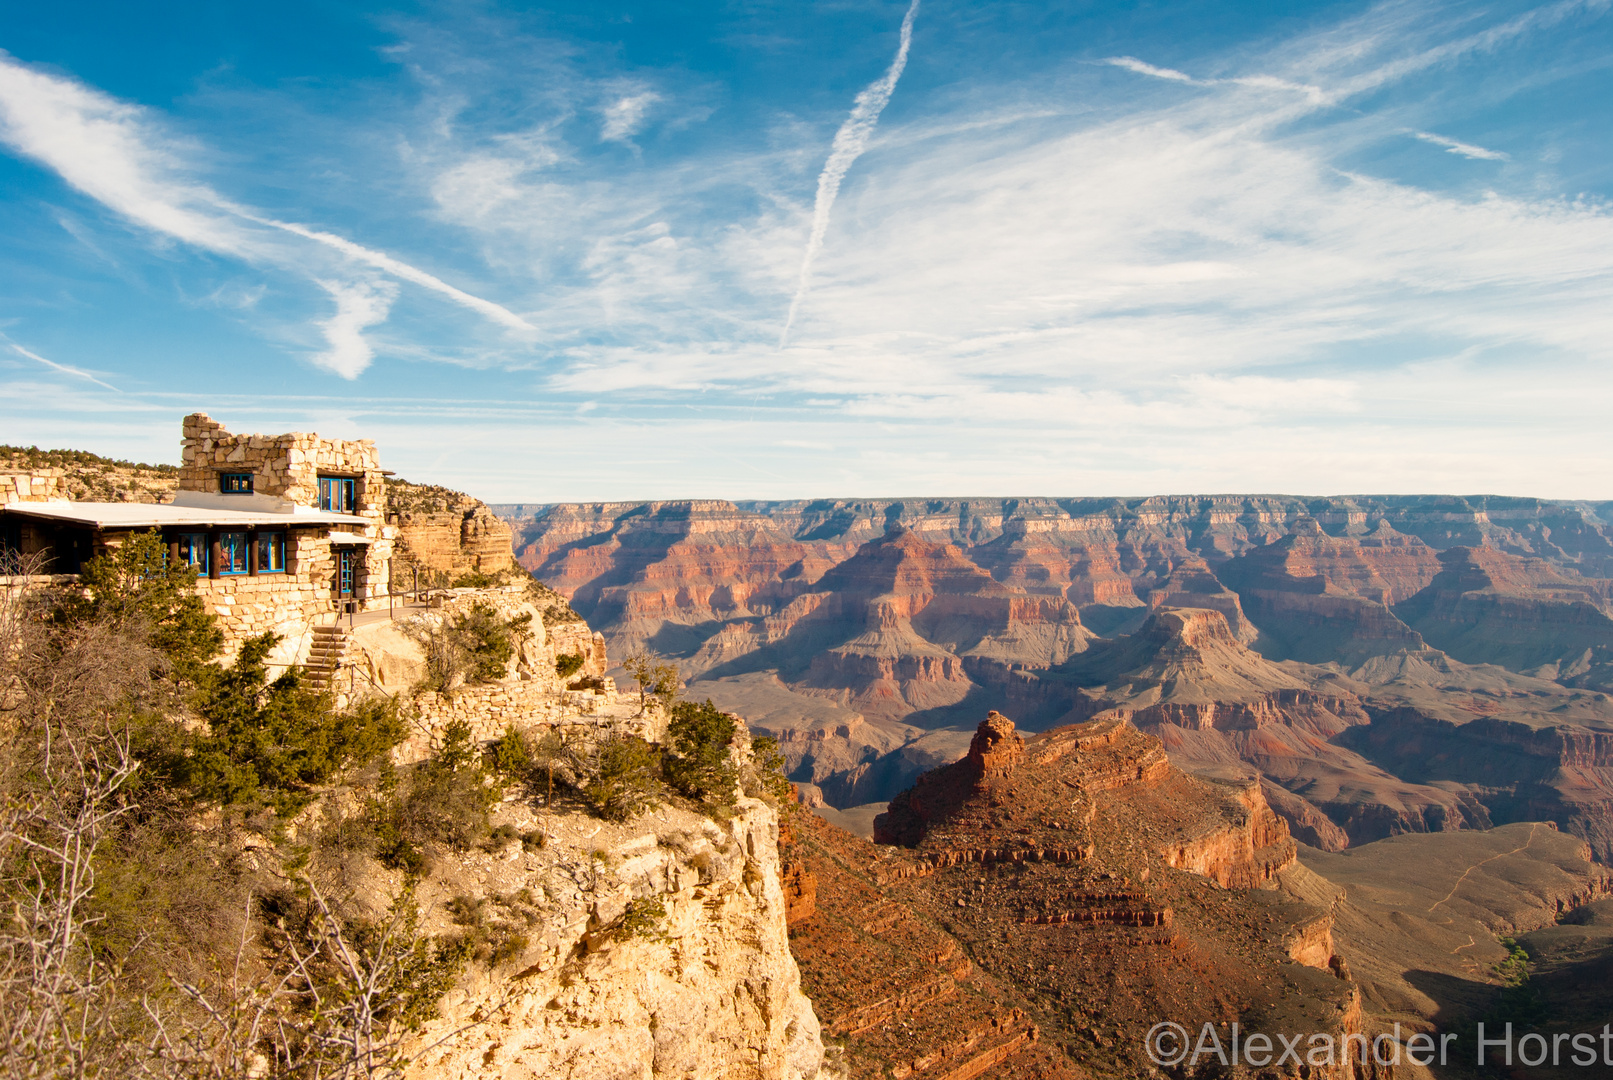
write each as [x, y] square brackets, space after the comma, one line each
[643, 918]
[450, 795]
[655, 678]
[699, 763]
[495, 925]
[568, 664]
[488, 641]
[273, 742]
[475, 579]
[476, 644]
[512, 756]
[136, 585]
[767, 768]
[624, 779]
[445, 799]
[501, 836]
[421, 970]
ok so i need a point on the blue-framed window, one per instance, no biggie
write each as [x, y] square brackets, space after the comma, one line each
[235, 483]
[271, 553]
[232, 553]
[194, 549]
[336, 494]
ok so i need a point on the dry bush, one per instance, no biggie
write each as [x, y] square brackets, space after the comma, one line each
[116, 907]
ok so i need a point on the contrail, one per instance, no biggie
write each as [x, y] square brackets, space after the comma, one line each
[850, 141]
[63, 368]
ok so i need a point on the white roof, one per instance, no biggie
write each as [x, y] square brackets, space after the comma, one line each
[121, 515]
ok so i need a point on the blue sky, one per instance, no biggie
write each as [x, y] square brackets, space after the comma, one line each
[551, 254]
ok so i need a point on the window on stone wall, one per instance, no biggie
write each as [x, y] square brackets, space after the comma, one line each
[271, 553]
[235, 483]
[193, 551]
[336, 494]
[231, 553]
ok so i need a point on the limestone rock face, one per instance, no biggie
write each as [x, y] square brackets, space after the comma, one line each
[706, 991]
[446, 532]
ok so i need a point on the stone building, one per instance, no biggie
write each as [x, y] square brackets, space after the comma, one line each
[287, 532]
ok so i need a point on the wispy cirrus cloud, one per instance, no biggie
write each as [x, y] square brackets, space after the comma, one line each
[1131, 63]
[625, 115]
[65, 369]
[1316, 94]
[112, 152]
[1059, 280]
[1467, 150]
[120, 156]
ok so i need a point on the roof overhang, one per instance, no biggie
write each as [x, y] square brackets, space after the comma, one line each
[107, 515]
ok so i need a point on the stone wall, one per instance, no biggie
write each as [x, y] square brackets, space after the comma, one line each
[290, 604]
[289, 467]
[34, 485]
[527, 706]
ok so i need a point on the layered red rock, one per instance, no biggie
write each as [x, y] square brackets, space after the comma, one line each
[1092, 888]
[1216, 704]
[855, 656]
[1091, 551]
[1318, 598]
[1485, 606]
[906, 626]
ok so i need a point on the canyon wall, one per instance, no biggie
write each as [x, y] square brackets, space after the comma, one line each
[863, 634]
[1052, 897]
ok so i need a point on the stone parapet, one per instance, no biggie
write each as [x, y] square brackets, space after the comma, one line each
[32, 485]
[288, 466]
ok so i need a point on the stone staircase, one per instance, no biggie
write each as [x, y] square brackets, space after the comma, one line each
[325, 656]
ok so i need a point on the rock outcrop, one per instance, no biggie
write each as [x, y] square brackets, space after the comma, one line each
[1054, 897]
[444, 534]
[650, 950]
[1320, 598]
